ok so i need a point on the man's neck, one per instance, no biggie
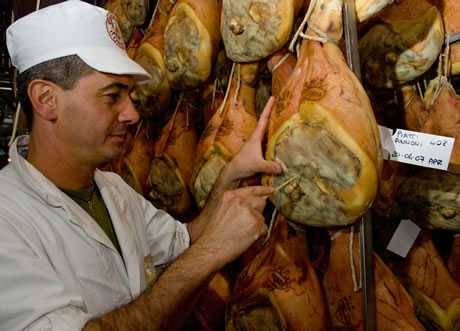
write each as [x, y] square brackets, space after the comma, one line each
[61, 168]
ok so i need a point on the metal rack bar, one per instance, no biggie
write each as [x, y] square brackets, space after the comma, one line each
[367, 270]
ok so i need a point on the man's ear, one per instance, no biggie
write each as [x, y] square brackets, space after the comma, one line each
[43, 97]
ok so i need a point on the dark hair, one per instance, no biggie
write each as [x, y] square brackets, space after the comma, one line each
[64, 72]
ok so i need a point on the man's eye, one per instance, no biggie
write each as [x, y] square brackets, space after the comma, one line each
[113, 97]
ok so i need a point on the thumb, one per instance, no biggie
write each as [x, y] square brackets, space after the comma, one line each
[269, 167]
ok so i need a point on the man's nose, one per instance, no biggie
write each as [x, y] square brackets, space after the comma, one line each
[128, 114]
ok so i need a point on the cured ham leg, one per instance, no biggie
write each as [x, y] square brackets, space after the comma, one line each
[278, 289]
[404, 45]
[154, 94]
[415, 112]
[454, 259]
[341, 285]
[191, 39]
[172, 165]
[365, 9]
[322, 129]
[138, 161]
[227, 131]
[436, 294]
[254, 29]
[430, 198]
[450, 10]
[443, 105]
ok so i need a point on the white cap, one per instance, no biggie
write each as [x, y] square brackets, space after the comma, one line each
[72, 27]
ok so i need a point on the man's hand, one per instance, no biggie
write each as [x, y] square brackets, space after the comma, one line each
[235, 224]
[250, 161]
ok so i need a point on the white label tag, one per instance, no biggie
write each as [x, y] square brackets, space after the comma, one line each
[404, 238]
[417, 148]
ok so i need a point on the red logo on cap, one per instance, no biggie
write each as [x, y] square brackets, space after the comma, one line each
[114, 31]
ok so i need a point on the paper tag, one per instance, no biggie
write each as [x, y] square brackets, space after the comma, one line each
[417, 148]
[404, 238]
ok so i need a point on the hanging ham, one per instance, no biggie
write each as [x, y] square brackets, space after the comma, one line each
[323, 131]
[153, 95]
[171, 169]
[192, 37]
[229, 128]
[254, 29]
[415, 112]
[278, 289]
[436, 294]
[443, 106]
[404, 45]
[365, 9]
[454, 259]
[450, 10]
[394, 308]
[430, 198]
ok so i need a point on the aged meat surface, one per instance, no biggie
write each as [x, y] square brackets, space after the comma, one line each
[153, 95]
[415, 111]
[436, 294]
[278, 289]
[403, 45]
[172, 165]
[365, 9]
[450, 10]
[443, 106]
[395, 310]
[432, 199]
[192, 36]
[254, 29]
[324, 132]
[129, 13]
[454, 259]
[226, 132]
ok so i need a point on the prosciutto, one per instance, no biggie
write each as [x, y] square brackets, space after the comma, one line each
[192, 37]
[254, 29]
[229, 128]
[403, 45]
[323, 131]
[394, 307]
[153, 96]
[431, 198]
[443, 105]
[436, 293]
[171, 169]
[278, 289]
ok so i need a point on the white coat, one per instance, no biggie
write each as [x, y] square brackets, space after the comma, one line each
[58, 268]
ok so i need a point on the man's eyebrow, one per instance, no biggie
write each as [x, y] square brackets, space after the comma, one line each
[115, 85]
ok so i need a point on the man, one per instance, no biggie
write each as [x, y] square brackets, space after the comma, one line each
[75, 242]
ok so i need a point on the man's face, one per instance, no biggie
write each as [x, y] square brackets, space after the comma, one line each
[94, 116]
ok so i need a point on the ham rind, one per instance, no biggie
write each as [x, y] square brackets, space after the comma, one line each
[137, 162]
[323, 131]
[125, 25]
[229, 128]
[135, 10]
[154, 95]
[431, 198]
[443, 105]
[278, 289]
[403, 45]
[435, 292]
[415, 112]
[454, 259]
[365, 9]
[254, 29]
[192, 37]
[394, 306]
[209, 310]
[450, 10]
[171, 169]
